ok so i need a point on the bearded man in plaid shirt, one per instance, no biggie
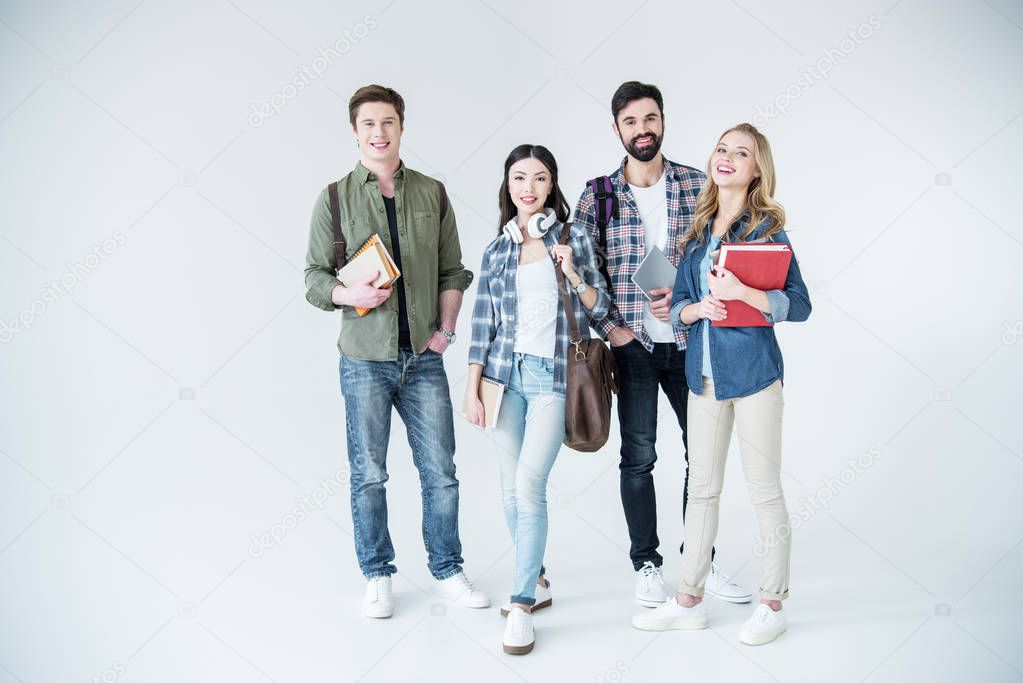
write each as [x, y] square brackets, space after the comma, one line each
[655, 200]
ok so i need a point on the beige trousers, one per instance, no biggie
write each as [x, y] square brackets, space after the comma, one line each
[758, 418]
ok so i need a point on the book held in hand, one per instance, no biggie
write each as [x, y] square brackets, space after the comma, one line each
[762, 265]
[371, 257]
[491, 394]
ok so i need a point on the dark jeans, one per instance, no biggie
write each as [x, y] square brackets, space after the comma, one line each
[640, 373]
[417, 387]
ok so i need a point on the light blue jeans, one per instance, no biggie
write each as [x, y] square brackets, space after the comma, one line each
[530, 429]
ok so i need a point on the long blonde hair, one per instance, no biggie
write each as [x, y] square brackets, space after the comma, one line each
[760, 200]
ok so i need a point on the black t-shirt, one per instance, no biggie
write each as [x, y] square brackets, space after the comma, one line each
[404, 338]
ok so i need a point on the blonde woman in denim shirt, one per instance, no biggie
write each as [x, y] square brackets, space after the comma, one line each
[735, 375]
[520, 337]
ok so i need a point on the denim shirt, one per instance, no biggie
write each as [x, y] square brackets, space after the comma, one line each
[705, 264]
[744, 360]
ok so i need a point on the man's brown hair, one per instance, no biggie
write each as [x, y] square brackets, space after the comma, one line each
[376, 93]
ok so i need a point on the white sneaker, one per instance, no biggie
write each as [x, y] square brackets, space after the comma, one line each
[518, 632]
[764, 626]
[670, 616]
[720, 586]
[543, 599]
[650, 588]
[378, 602]
[459, 589]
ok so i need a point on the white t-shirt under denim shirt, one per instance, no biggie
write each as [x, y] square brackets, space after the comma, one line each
[705, 265]
[653, 208]
[536, 322]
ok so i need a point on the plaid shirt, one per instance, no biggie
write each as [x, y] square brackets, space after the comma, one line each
[625, 243]
[494, 315]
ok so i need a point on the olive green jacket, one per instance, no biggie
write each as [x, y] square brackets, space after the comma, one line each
[431, 258]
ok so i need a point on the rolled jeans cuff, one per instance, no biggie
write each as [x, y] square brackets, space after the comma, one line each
[696, 592]
[767, 595]
[522, 600]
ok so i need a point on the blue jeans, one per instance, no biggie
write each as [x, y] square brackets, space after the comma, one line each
[529, 432]
[417, 387]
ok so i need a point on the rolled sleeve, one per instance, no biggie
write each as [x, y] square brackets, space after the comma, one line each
[320, 269]
[451, 273]
[779, 302]
[582, 245]
[484, 324]
[675, 315]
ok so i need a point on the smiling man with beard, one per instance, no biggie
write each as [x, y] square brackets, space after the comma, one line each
[647, 202]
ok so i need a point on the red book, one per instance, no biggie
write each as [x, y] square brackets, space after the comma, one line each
[763, 266]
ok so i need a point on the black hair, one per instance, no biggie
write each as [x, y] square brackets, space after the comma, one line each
[631, 91]
[555, 200]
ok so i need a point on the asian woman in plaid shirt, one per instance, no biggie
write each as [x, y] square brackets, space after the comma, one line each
[520, 337]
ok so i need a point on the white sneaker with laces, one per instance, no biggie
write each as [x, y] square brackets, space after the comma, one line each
[459, 589]
[764, 626]
[379, 601]
[720, 586]
[518, 632]
[650, 588]
[670, 616]
[543, 599]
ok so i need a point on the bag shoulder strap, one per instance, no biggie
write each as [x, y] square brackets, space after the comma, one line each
[566, 299]
[340, 244]
[443, 199]
[605, 204]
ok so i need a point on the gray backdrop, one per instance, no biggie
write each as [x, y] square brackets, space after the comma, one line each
[168, 394]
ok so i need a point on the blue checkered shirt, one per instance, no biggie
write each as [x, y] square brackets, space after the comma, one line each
[496, 308]
[625, 243]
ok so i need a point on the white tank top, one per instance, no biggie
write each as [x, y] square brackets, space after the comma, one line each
[536, 321]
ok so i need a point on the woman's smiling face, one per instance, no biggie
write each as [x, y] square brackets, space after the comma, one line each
[529, 183]
[732, 163]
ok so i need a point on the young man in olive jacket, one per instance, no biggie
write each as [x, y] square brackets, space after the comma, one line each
[392, 356]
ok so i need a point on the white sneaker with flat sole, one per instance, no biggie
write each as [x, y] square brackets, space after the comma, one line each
[518, 632]
[650, 588]
[670, 616]
[543, 599]
[764, 626]
[378, 602]
[459, 589]
[720, 586]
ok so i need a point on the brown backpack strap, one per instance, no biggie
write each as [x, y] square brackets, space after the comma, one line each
[340, 245]
[443, 199]
[566, 299]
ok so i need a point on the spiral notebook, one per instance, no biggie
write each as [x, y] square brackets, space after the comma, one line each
[491, 395]
[371, 257]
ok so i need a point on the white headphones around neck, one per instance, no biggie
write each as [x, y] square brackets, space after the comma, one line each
[537, 226]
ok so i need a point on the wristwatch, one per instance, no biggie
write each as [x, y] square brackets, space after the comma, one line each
[581, 287]
[448, 334]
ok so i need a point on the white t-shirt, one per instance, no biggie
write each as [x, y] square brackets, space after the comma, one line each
[653, 209]
[536, 321]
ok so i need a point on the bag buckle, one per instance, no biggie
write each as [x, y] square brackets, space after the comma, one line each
[579, 355]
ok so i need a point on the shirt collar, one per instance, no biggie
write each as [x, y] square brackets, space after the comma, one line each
[669, 170]
[363, 175]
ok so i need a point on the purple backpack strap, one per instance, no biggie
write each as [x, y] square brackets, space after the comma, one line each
[605, 205]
